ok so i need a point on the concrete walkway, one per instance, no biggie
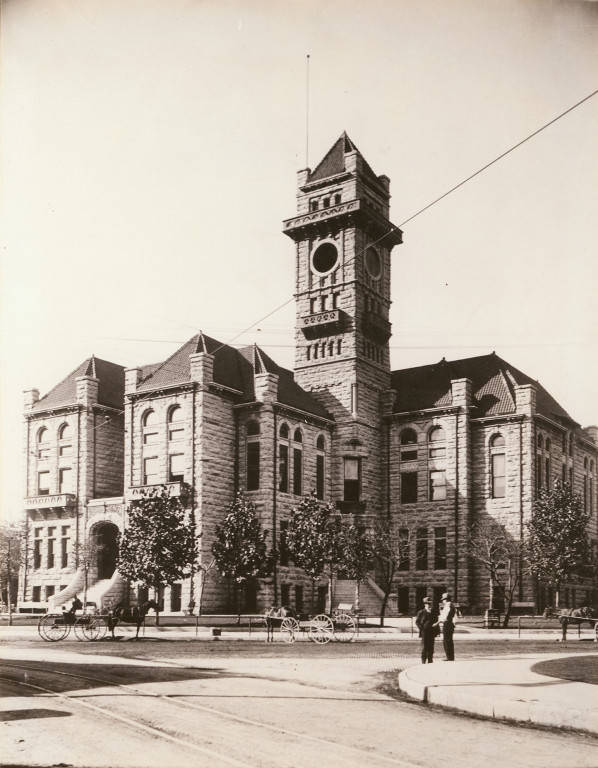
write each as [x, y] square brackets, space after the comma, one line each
[505, 687]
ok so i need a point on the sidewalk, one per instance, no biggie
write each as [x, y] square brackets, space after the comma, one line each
[507, 688]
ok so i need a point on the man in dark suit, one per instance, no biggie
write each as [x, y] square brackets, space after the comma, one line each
[427, 621]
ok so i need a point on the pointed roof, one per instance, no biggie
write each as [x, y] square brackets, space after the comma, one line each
[493, 381]
[234, 368]
[333, 161]
[110, 391]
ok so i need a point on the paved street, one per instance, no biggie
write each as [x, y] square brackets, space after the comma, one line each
[203, 704]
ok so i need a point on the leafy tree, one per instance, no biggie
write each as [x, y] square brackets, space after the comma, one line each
[240, 550]
[356, 553]
[313, 540]
[557, 537]
[391, 544]
[499, 554]
[159, 545]
[11, 557]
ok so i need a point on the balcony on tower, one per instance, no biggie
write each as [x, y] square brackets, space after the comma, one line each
[376, 327]
[325, 323]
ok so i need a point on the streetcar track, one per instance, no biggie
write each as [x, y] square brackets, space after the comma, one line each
[364, 752]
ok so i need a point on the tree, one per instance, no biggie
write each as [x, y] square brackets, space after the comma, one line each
[11, 556]
[313, 540]
[391, 545]
[557, 537]
[159, 545]
[356, 553]
[500, 555]
[240, 548]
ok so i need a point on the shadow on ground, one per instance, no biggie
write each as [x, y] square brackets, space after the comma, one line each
[580, 669]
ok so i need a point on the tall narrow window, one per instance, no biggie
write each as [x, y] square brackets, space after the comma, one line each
[43, 483]
[175, 597]
[297, 463]
[150, 470]
[408, 487]
[437, 490]
[176, 467]
[284, 551]
[176, 426]
[65, 480]
[352, 479]
[150, 428]
[37, 548]
[65, 440]
[404, 560]
[320, 466]
[253, 456]
[421, 549]
[51, 543]
[354, 399]
[439, 548]
[64, 546]
[283, 459]
[497, 459]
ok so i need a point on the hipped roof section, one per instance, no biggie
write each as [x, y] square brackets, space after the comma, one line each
[110, 390]
[233, 368]
[493, 383]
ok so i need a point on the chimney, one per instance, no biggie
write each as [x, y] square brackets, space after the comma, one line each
[202, 368]
[266, 387]
[525, 399]
[30, 398]
[87, 390]
[132, 379]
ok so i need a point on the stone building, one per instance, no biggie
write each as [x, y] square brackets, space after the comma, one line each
[433, 448]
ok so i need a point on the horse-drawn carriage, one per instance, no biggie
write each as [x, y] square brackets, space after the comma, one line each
[339, 625]
[577, 617]
[89, 625]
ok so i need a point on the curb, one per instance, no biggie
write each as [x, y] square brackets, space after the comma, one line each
[457, 697]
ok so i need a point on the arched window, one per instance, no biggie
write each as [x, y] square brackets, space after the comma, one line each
[408, 440]
[150, 428]
[320, 466]
[43, 445]
[176, 427]
[65, 440]
[437, 470]
[297, 462]
[253, 456]
[540, 442]
[437, 437]
[283, 459]
[498, 466]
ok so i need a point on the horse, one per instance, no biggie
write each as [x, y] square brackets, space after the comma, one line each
[273, 618]
[575, 616]
[127, 614]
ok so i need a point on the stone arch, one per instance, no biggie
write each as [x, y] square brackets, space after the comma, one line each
[104, 544]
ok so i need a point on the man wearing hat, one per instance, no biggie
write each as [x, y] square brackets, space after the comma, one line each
[446, 619]
[427, 622]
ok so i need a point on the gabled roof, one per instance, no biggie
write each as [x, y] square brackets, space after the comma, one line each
[493, 381]
[333, 161]
[234, 368]
[110, 391]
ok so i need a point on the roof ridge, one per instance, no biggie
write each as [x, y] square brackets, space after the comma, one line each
[168, 359]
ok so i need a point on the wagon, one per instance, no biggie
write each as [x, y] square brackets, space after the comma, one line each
[340, 625]
[54, 627]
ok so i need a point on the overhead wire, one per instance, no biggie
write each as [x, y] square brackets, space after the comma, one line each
[394, 228]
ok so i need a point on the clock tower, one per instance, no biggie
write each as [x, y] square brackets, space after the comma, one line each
[343, 242]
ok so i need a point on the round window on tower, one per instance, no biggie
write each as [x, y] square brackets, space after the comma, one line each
[324, 258]
[373, 263]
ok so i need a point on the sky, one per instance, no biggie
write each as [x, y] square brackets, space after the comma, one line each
[150, 149]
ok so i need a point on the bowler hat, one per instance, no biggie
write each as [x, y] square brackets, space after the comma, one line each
[445, 596]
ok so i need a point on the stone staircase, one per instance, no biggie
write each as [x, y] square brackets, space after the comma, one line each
[370, 597]
[103, 593]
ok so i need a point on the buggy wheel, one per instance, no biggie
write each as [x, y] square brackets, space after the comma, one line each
[344, 627]
[90, 628]
[288, 629]
[53, 628]
[321, 629]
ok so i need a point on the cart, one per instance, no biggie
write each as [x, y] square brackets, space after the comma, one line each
[340, 625]
[55, 627]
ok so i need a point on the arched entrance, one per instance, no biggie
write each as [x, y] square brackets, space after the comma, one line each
[104, 540]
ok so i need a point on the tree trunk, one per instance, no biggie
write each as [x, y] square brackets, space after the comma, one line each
[9, 600]
[238, 601]
[157, 598]
[313, 595]
[556, 596]
[383, 607]
[491, 592]
[356, 606]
